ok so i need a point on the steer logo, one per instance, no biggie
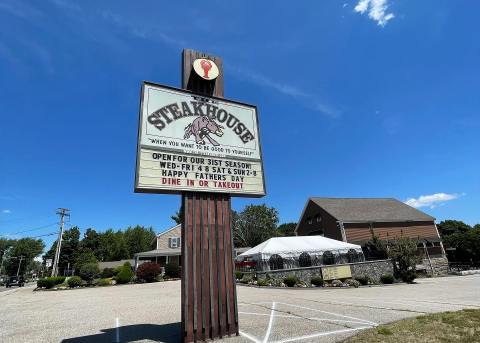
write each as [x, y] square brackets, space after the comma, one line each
[201, 128]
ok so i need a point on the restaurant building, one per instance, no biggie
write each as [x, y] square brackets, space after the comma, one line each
[358, 220]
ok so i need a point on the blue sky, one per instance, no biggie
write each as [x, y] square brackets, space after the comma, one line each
[356, 99]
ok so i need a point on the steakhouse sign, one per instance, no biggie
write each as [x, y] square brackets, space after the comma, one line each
[188, 142]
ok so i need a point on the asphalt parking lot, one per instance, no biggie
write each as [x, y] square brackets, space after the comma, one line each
[151, 312]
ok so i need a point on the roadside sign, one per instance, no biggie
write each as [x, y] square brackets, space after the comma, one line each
[336, 272]
[188, 142]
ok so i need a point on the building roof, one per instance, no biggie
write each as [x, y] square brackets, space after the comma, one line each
[159, 252]
[370, 210]
[166, 231]
[295, 245]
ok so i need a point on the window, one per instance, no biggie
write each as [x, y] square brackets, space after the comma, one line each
[318, 218]
[275, 262]
[328, 258]
[174, 242]
[309, 220]
[353, 256]
[305, 260]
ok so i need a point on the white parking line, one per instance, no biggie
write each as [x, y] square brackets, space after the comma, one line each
[270, 323]
[310, 318]
[333, 314]
[319, 334]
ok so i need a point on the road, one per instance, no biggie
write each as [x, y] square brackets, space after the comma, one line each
[151, 312]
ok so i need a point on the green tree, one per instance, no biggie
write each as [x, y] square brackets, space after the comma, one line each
[404, 254]
[138, 239]
[6, 246]
[84, 256]
[448, 227]
[466, 245]
[91, 241]
[178, 216]
[22, 253]
[287, 229]
[255, 224]
[375, 249]
[70, 245]
[112, 246]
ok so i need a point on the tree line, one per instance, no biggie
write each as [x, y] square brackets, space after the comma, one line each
[17, 255]
[253, 225]
[100, 246]
[461, 241]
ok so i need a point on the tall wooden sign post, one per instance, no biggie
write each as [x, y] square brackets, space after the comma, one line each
[209, 298]
[193, 142]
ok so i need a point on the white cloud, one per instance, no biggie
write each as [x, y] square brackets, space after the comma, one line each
[433, 200]
[307, 99]
[377, 10]
[6, 211]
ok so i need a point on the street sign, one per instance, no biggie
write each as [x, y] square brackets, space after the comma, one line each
[188, 142]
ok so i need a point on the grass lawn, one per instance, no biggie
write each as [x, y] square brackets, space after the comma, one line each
[461, 326]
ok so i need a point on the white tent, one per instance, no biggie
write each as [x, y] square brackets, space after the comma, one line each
[292, 247]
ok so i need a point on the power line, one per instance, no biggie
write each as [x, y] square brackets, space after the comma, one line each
[48, 234]
[34, 229]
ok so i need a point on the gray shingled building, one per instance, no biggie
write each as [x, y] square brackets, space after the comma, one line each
[357, 220]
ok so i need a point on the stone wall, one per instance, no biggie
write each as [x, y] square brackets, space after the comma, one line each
[439, 265]
[374, 269]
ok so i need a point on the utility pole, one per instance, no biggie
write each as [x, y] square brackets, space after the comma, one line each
[62, 212]
[19, 264]
[1, 263]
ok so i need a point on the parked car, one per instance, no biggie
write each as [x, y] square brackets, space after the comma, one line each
[15, 281]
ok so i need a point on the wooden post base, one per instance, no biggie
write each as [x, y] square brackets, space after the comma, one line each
[209, 300]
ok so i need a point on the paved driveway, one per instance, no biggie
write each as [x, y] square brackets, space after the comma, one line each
[151, 312]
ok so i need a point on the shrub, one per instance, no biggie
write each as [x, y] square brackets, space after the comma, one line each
[290, 281]
[148, 271]
[317, 281]
[103, 282]
[159, 278]
[117, 270]
[89, 271]
[387, 278]
[238, 275]
[247, 278]
[404, 255]
[337, 283]
[74, 281]
[50, 282]
[263, 282]
[409, 276]
[364, 280]
[352, 283]
[125, 275]
[107, 273]
[172, 270]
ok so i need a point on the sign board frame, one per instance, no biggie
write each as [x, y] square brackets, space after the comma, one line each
[181, 190]
[335, 272]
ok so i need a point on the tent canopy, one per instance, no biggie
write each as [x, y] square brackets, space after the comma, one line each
[291, 246]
